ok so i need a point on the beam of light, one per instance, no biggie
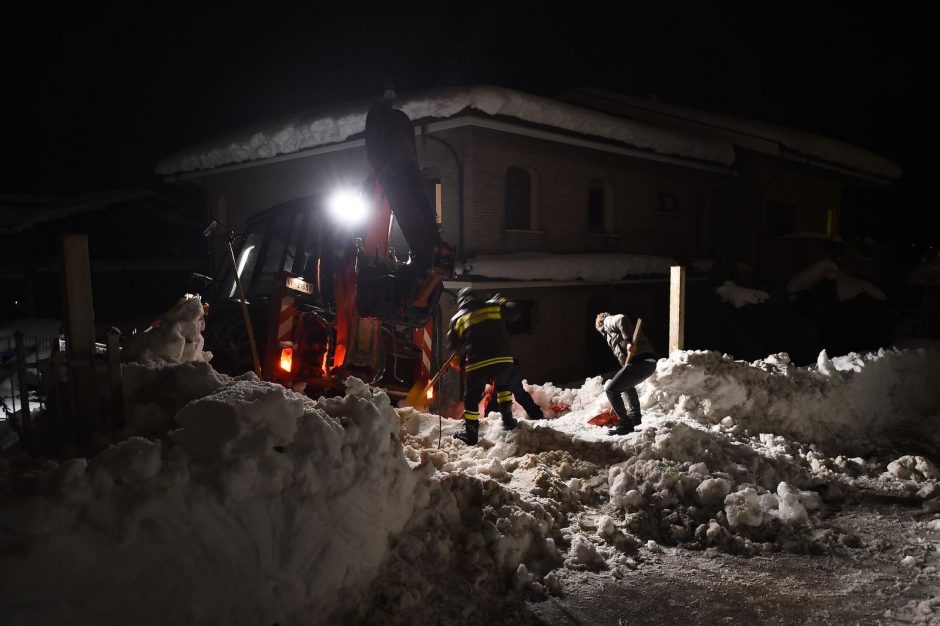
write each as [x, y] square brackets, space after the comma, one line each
[348, 207]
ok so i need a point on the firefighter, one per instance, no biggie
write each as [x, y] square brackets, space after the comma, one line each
[479, 328]
[618, 331]
[532, 409]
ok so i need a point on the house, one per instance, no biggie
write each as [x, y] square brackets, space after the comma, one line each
[644, 183]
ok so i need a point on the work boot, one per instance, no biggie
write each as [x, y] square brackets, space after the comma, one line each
[625, 426]
[509, 422]
[471, 433]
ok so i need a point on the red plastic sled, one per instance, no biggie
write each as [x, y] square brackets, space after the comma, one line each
[607, 418]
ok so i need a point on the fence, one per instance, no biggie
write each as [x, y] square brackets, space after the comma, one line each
[37, 398]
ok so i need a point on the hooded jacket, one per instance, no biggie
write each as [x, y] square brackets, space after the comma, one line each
[618, 331]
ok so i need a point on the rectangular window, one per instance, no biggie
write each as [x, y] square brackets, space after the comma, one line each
[668, 202]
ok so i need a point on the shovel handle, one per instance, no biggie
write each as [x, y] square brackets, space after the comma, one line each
[636, 334]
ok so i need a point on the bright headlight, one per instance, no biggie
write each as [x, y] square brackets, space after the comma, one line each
[348, 207]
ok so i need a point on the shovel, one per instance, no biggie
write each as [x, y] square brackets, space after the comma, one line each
[608, 418]
[418, 396]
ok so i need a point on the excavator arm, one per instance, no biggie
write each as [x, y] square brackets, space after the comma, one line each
[388, 288]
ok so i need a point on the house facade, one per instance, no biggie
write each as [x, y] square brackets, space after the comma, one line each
[588, 173]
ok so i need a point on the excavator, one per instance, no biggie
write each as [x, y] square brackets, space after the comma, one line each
[306, 302]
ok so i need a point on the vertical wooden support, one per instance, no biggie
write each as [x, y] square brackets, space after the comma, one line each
[80, 333]
[22, 383]
[677, 309]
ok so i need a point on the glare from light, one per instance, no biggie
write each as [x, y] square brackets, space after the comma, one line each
[242, 262]
[348, 207]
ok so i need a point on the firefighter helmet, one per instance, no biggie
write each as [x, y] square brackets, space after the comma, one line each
[465, 296]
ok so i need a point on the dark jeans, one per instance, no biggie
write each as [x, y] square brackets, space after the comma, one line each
[476, 387]
[624, 382]
[533, 410]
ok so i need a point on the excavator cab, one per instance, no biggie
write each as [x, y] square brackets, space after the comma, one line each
[328, 300]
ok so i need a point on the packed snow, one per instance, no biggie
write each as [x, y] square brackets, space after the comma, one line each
[233, 500]
[323, 127]
[847, 287]
[738, 296]
[601, 267]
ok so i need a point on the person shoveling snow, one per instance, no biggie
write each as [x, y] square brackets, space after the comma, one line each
[638, 361]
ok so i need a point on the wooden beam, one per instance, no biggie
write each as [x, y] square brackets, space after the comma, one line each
[677, 309]
[80, 334]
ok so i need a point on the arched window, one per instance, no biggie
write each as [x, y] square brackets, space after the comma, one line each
[518, 199]
[600, 206]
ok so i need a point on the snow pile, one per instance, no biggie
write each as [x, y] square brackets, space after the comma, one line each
[592, 267]
[738, 297]
[847, 287]
[840, 403]
[330, 126]
[176, 338]
[264, 507]
[250, 504]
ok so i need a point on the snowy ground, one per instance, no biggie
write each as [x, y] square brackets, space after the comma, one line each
[753, 493]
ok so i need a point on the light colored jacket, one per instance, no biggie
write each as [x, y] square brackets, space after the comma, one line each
[618, 331]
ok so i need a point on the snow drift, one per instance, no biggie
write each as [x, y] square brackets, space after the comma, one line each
[232, 500]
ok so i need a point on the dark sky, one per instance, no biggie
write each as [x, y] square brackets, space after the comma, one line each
[94, 98]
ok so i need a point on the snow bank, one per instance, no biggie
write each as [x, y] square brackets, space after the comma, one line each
[840, 403]
[593, 267]
[265, 507]
[330, 126]
[249, 504]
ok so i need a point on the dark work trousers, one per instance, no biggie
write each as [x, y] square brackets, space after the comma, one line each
[533, 410]
[624, 383]
[476, 387]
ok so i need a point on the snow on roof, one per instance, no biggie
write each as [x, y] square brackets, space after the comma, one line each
[564, 267]
[325, 126]
[847, 287]
[746, 133]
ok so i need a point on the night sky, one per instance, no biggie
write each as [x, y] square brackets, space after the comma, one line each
[94, 98]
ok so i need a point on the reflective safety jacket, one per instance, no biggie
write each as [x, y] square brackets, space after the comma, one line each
[482, 326]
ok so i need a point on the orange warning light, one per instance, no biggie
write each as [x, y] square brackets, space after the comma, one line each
[287, 359]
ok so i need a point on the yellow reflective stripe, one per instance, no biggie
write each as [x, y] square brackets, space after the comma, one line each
[500, 359]
[471, 415]
[504, 396]
[475, 317]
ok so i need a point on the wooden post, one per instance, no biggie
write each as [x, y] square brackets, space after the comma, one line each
[677, 309]
[80, 333]
[22, 383]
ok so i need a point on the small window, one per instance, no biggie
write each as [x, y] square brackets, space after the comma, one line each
[668, 203]
[518, 199]
[433, 191]
[600, 207]
[523, 325]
